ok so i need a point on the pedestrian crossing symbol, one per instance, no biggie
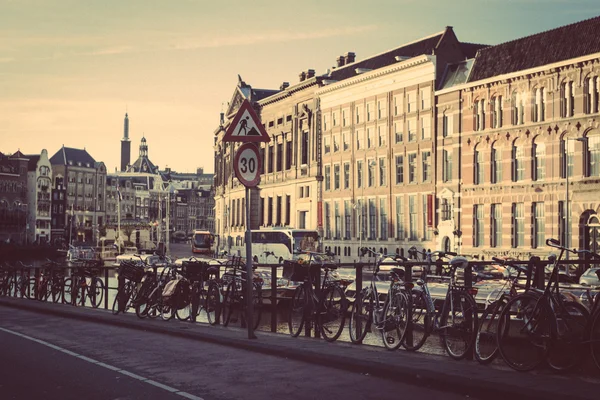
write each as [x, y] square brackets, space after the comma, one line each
[246, 127]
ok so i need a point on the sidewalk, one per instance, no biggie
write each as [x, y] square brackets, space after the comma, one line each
[442, 373]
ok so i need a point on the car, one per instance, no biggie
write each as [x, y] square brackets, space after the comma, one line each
[591, 277]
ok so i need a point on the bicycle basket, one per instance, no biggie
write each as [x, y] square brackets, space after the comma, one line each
[196, 270]
[176, 293]
[131, 271]
[297, 272]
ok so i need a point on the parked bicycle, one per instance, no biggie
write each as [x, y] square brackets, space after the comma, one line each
[319, 303]
[456, 320]
[390, 316]
[130, 274]
[234, 301]
[84, 284]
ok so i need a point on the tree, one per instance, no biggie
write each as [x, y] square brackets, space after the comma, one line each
[128, 231]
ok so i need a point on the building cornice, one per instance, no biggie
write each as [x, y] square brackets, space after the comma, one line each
[290, 90]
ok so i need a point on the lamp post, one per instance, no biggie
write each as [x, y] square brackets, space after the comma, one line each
[22, 215]
[567, 233]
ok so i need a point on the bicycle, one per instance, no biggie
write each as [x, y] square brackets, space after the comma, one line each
[594, 331]
[486, 346]
[390, 316]
[234, 295]
[83, 284]
[541, 325]
[55, 281]
[130, 275]
[456, 321]
[323, 306]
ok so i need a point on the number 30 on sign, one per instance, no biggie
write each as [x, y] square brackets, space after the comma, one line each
[247, 165]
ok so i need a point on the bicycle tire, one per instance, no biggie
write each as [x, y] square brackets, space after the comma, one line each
[96, 292]
[421, 323]
[459, 325]
[41, 294]
[332, 313]
[229, 299]
[67, 291]
[213, 303]
[395, 320]
[523, 332]
[297, 315]
[595, 338]
[121, 299]
[200, 302]
[486, 343]
[361, 316]
[567, 347]
[185, 313]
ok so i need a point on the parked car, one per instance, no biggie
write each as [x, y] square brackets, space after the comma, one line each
[590, 277]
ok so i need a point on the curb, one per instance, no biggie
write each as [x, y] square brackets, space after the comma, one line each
[415, 369]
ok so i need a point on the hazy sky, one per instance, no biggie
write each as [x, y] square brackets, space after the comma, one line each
[69, 69]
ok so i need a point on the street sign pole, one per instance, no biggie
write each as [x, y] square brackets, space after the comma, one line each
[249, 272]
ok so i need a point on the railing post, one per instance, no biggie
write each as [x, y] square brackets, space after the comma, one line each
[358, 270]
[408, 279]
[106, 288]
[273, 298]
[539, 279]
[36, 274]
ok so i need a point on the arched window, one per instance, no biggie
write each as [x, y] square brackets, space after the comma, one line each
[518, 111]
[496, 163]
[478, 166]
[593, 155]
[496, 109]
[538, 105]
[518, 166]
[479, 115]
[538, 154]
[590, 94]
[567, 100]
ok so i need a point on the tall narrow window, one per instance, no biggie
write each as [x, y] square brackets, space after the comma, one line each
[372, 219]
[359, 174]
[539, 163]
[288, 155]
[426, 160]
[412, 168]
[279, 157]
[567, 100]
[336, 177]
[288, 209]
[383, 221]
[327, 224]
[305, 147]
[478, 166]
[381, 136]
[496, 164]
[347, 219]
[445, 125]
[567, 150]
[399, 218]
[398, 128]
[279, 211]
[271, 157]
[496, 225]
[412, 216]
[399, 170]
[425, 128]
[327, 177]
[447, 166]
[371, 172]
[370, 138]
[593, 155]
[518, 225]
[337, 221]
[411, 127]
[518, 166]
[478, 233]
[382, 172]
[346, 175]
[539, 234]
[270, 212]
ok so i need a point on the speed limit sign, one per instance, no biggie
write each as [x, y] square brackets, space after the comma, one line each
[247, 165]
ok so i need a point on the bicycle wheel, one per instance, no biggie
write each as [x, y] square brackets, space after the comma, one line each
[42, 289]
[55, 290]
[121, 299]
[567, 349]
[96, 292]
[297, 311]
[332, 313]
[395, 320]
[361, 316]
[68, 288]
[523, 332]
[595, 338]
[486, 344]
[184, 313]
[213, 303]
[420, 326]
[458, 324]
[229, 299]
[200, 301]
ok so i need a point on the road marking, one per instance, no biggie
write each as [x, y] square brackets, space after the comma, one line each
[107, 366]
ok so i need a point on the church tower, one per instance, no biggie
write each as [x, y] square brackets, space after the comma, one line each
[125, 146]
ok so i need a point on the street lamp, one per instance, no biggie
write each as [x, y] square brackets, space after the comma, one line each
[20, 205]
[567, 233]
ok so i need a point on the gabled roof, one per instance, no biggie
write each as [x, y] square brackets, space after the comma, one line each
[66, 154]
[33, 161]
[143, 164]
[560, 44]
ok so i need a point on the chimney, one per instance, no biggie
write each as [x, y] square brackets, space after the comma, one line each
[302, 76]
[349, 57]
[222, 118]
[284, 86]
[310, 73]
[340, 61]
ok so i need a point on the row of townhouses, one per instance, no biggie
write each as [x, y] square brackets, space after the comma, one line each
[71, 197]
[438, 144]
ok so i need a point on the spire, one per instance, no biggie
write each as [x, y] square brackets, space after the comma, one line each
[126, 131]
[143, 148]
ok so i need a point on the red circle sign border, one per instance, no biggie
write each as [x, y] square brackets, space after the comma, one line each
[236, 159]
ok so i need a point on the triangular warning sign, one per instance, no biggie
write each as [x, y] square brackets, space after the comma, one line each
[246, 126]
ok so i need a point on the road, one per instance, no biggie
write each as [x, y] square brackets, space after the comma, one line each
[47, 357]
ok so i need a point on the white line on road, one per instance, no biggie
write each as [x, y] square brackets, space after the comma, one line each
[107, 366]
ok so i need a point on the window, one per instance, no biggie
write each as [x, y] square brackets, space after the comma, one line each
[359, 174]
[372, 219]
[478, 176]
[327, 177]
[496, 164]
[325, 121]
[270, 158]
[279, 207]
[518, 111]
[360, 139]
[539, 164]
[334, 118]
[347, 219]
[383, 222]
[288, 155]
[411, 127]
[279, 157]
[412, 168]
[425, 128]
[346, 175]
[496, 225]
[426, 160]
[593, 155]
[371, 172]
[426, 231]
[425, 95]
[288, 209]
[305, 147]
[411, 102]
[345, 141]
[538, 106]
[337, 218]
[336, 177]
[518, 225]
[301, 194]
[370, 138]
[399, 170]
[496, 108]
[382, 172]
[336, 143]
[380, 109]
[344, 121]
[327, 224]
[358, 114]
[567, 100]
[539, 234]
[567, 150]
[445, 210]
[368, 111]
[270, 211]
[445, 125]
[447, 166]
[398, 128]
[412, 217]
[398, 105]
[381, 134]
[399, 218]
[518, 166]
[327, 144]
[478, 225]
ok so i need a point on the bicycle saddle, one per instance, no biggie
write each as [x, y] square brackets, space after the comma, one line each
[459, 262]
[399, 272]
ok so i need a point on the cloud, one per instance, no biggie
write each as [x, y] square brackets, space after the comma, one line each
[6, 59]
[109, 51]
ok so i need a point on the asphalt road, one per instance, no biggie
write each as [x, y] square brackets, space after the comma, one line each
[78, 359]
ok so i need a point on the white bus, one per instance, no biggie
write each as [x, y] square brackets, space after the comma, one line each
[270, 246]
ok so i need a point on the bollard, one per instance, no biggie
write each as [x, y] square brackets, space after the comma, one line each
[273, 298]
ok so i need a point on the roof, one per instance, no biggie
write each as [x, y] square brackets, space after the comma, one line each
[66, 154]
[470, 49]
[422, 46]
[33, 161]
[143, 164]
[259, 94]
[560, 44]
[456, 74]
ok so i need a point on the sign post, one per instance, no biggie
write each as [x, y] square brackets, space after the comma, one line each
[246, 128]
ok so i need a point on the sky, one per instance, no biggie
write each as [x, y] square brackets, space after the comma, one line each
[71, 69]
